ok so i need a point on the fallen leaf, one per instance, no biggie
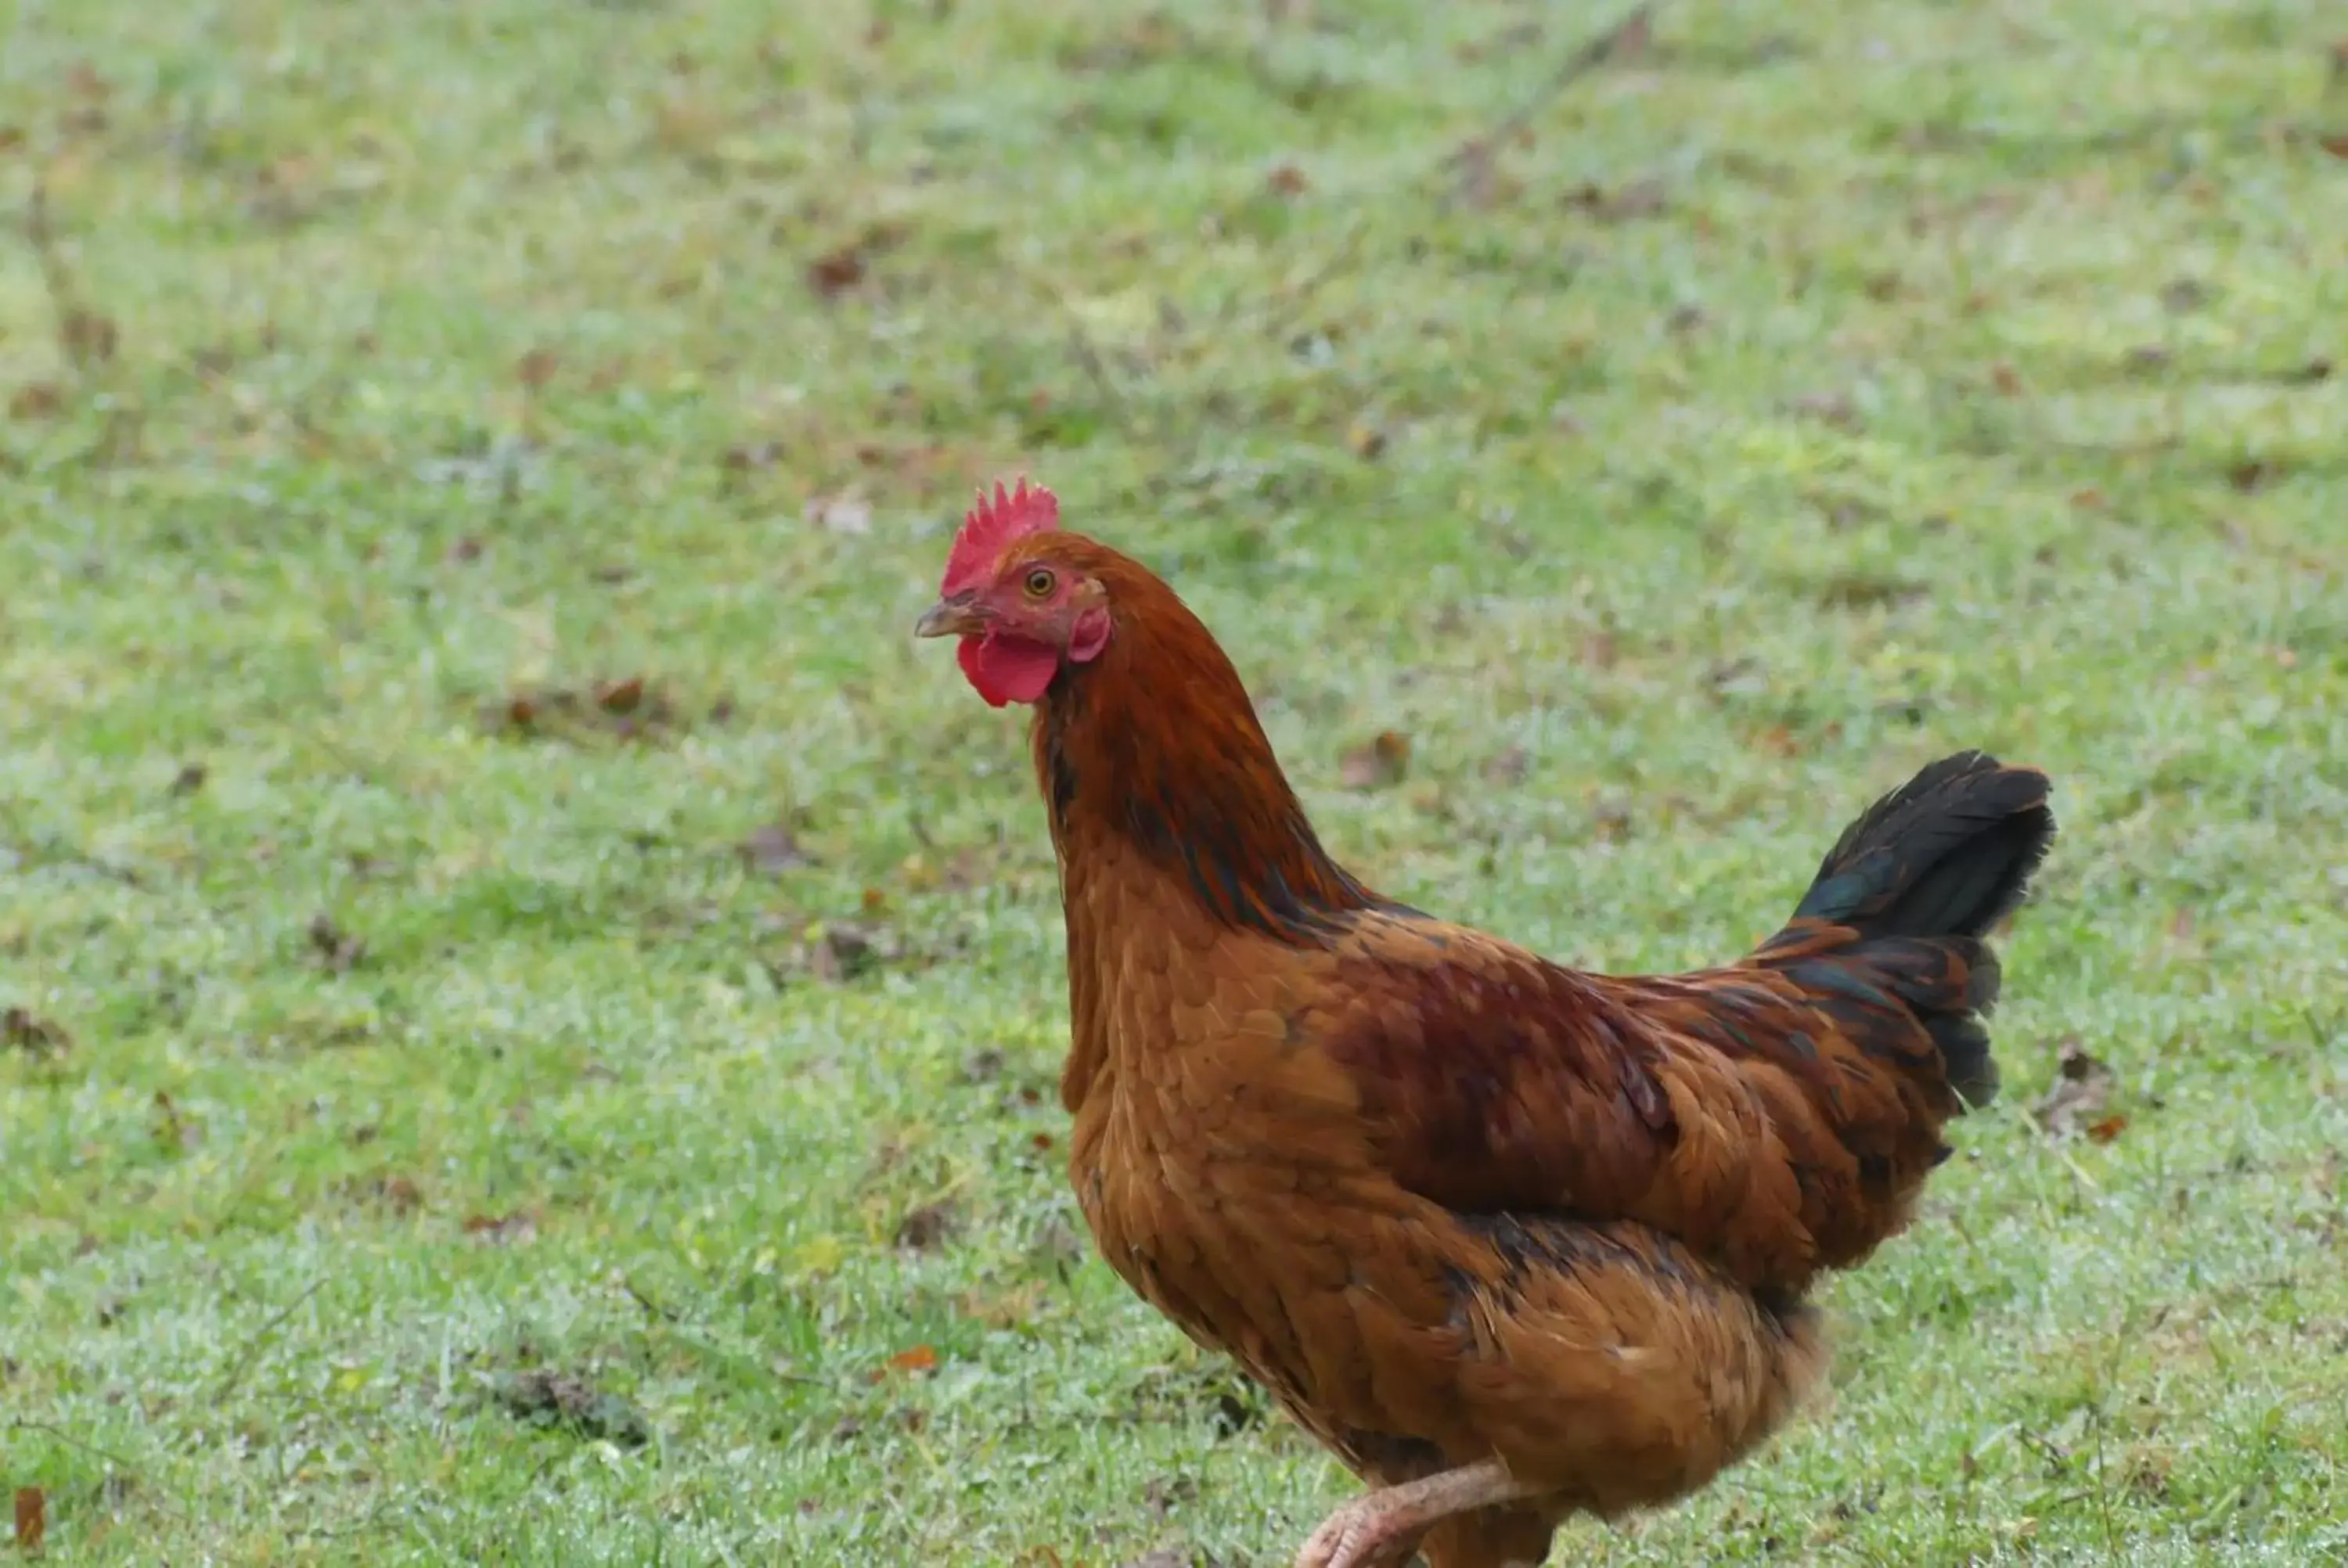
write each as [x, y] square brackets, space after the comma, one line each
[1835, 408]
[25, 1030]
[536, 368]
[502, 1230]
[89, 338]
[336, 949]
[920, 1359]
[846, 513]
[929, 1226]
[1286, 179]
[1507, 767]
[2082, 1091]
[1012, 1308]
[559, 1397]
[32, 1519]
[619, 696]
[2334, 142]
[628, 707]
[1858, 590]
[837, 272]
[397, 1194]
[751, 455]
[1638, 198]
[37, 400]
[1379, 765]
[1162, 1494]
[2106, 1129]
[842, 951]
[2182, 294]
[774, 849]
[2005, 378]
[173, 1130]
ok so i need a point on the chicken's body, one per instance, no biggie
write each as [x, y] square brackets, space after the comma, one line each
[1513, 1240]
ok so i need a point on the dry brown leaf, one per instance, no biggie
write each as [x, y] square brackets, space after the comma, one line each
[25, 1031]
[929, 1226]
[397, 1194]
[336, 949]
[2250, 474]
[1379, 765]
[842, 951]
[774, 849]
[2082, 1092]
[1003, 1309]
[32, 1519]
[836, 272]
[1287, 179]
[920, 1359]
[1507, 767]
[173, 1130]
[37, 400]
[502, 1230]
[1834, 408]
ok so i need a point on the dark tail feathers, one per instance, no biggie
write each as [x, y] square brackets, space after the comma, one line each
[1948, 854]
[1922, 876]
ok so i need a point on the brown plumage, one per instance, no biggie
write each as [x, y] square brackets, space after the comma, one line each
[1513, 1240]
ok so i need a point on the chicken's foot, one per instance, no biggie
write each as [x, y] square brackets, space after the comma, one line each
[1380, 1529]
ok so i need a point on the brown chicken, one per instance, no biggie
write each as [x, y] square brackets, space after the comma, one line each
[1512, 1240]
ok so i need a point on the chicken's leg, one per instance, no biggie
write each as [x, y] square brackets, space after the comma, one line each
[1380, 1529]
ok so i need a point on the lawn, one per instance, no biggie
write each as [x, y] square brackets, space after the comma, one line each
[533, 1007]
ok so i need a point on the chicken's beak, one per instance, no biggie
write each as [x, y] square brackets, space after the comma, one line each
[955, 617]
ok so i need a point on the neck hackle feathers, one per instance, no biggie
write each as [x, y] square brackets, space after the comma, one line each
[990, 527]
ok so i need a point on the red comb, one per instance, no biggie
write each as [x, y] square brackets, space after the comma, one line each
[993, 524]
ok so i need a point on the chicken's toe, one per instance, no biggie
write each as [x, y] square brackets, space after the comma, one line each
[1363, 1535]
[1383, 1528]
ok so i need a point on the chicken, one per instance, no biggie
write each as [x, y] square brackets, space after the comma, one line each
[1513, 1241]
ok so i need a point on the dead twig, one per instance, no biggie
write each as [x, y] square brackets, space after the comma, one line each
[260, 1336]
[1453, 175]
[1473, 156]
[85, 338]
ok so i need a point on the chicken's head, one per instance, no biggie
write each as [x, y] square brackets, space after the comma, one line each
[1024, 610]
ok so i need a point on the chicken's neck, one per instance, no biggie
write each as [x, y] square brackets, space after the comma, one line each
[1155, 747]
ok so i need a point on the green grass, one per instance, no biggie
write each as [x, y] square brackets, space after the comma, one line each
[1820, 390]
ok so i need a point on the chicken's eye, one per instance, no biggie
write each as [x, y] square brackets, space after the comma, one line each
[1039, 583]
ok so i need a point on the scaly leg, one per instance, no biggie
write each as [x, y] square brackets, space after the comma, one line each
[1381, 1529]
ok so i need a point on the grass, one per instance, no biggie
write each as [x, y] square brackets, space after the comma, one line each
[425, 1135]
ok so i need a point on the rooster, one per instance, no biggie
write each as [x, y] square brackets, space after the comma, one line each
[1513, 1241]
